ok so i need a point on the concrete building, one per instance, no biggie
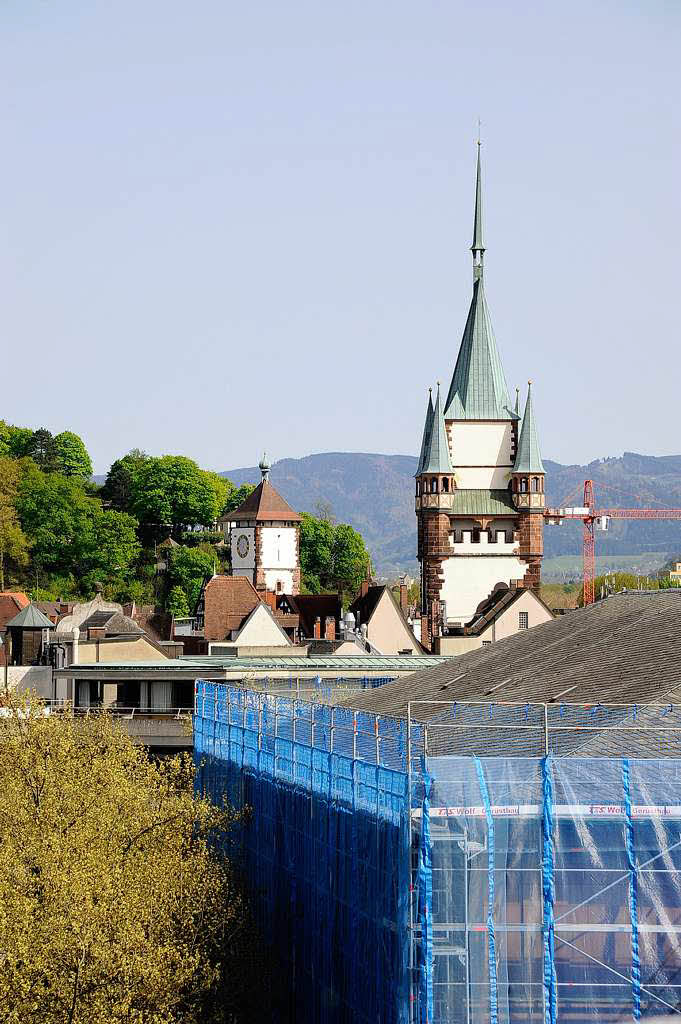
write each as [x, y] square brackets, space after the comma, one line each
[479, 481]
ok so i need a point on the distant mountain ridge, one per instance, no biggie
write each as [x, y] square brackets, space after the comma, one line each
[375, 494]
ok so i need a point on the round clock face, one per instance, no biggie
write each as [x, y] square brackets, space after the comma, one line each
[242, 545]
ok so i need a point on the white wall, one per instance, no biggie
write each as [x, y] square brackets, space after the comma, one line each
[483, 478]
[283, 576]
[237, 561]
[261, 630]
[278, 547]
[29, 677]
[480, 444]
[508, 622]
[468, 581]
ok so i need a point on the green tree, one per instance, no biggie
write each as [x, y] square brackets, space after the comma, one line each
[350, 558]
[332, 556]
[41, 449]
[117, 907]
[16, 440]
[316, 552]
[71, 532]
[118, 486]
[235, 496]
[177, 603]
[70, 455]
[188, 568]
[172, 490]
[14, 544]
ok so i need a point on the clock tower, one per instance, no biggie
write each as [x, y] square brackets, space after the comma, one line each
[265, 539]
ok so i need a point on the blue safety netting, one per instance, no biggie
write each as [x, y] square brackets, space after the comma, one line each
[445, 889]
[556, 889]
[325, 845]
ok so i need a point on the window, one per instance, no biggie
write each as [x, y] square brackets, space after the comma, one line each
[486, 643]
[433, 486]
[418, 488]
[523, 620]
[523, 485]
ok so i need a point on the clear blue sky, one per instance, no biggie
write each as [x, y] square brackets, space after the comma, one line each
[229, 226]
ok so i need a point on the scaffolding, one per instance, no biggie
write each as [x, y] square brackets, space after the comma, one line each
[403, 876]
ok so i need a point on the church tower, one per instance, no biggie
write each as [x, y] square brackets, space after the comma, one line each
[480, 478]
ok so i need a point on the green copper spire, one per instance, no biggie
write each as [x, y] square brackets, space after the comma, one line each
[427, 428]
[528, 458]
[436, 454]
[478, 390]
[478, 246]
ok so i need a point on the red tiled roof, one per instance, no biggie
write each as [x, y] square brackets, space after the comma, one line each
[11, 602]
[264, 503]
[228, 601]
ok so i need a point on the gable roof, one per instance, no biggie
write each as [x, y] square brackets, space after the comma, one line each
[528, 457]
[365, 605]
[11, 602]
[264, 503]
[310, 607]
[30, 617]
[114, 622]
[227, 601]
[624, 649]
[501, 598]
[262, 608]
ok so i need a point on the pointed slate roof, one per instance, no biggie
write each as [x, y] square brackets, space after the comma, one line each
[436, 452]
[478, 390]
[528, 457]
[427, 428]
[264, 503]
[30, 617]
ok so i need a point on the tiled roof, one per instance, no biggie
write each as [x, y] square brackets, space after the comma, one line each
[624, 649]
[481, 502]
[264, 503]
[310, 607]
[114, 622]
[364, 605]
[11, 602]
[228, 601]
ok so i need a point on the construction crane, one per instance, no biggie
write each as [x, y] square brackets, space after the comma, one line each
[599, 519]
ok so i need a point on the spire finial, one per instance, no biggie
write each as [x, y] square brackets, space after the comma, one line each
[264, 467]
[517, 402]
[478, 246]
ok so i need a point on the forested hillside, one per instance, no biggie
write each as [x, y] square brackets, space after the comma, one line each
[374, 493]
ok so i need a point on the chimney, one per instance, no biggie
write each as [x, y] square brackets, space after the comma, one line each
[270, 598]
[330, 628]
[403, 595]
[364, 589]
[317, 628]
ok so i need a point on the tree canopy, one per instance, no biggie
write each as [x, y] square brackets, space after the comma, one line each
[172, 493]
[332, 555]
[117, 907]
[70, 455]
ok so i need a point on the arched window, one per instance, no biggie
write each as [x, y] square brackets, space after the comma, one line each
[535, 483]
[418, 488]
[433, 486]
[515, 483]
[523, 485]
[445, 485]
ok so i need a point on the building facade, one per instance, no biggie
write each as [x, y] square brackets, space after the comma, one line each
[480, 477]
[265, 539]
